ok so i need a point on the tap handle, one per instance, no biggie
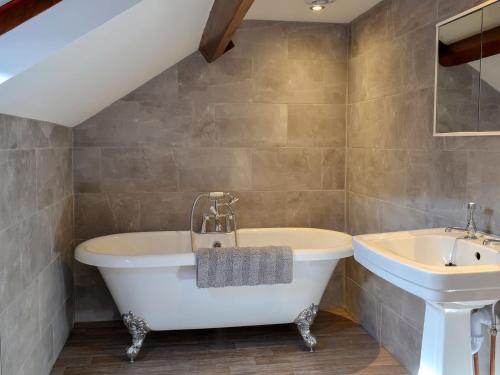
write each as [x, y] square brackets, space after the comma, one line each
[471, 206]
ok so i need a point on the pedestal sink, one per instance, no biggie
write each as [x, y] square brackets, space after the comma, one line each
[416, 261]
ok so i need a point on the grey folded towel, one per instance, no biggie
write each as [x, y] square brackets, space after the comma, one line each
[238, 266]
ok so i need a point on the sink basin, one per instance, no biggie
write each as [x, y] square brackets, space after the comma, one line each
[418, 262]
[415, 261]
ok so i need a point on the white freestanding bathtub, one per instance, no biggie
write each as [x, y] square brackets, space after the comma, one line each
[152, 278]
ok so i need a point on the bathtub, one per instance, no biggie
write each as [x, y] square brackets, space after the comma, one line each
[152, 279]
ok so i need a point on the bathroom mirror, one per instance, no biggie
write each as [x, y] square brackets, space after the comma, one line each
[467, 90]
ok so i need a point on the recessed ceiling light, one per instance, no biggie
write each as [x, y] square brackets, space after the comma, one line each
[318, 5]
[317, 8]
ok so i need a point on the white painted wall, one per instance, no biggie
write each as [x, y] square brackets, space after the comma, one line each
[107, 63]
[39, 37]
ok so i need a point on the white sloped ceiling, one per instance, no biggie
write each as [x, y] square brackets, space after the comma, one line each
[65, 65]
[41, 36]
[80, 79]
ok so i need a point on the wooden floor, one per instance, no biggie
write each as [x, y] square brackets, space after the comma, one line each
[343, 348]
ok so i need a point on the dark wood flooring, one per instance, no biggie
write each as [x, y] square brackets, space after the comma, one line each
[343, 348]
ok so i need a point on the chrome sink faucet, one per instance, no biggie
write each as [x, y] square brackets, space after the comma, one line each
[470, 228]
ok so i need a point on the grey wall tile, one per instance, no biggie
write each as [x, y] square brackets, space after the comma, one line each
[51, 292]
[63, 231]
[165, 211]
[316, 125]
[21, 330]
[138, 169]
[333, 169]
[37, 231]
[401, 339]
[15, 273]
[251, 124]
[318, 42]
[298, 81]
[363, 278]
[408, 15]
[375, 123]
[376, 73]
[398, 218]
[18, 188]
[417, 121]
[364, 308]
[261, 40]
[334, 293]
[62, 325]
[9, 131]
[316, 209]
[93, 300]
[54, 176]
[158, 90]
[212, 169]
[436, 183]
[87, 169]
[364, 216]
[230, 81]
[99, 214]
[418, 56]
[286, 169]
[483, 181]
[371, 29]
[257, 209]
[41, 358]
[226, 80]
[116, 125]
[33, 236]
[473, 143]
[40, 134]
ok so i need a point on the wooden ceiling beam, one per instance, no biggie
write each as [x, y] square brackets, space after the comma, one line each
[225, 18]
[15, 12]
[469, 49]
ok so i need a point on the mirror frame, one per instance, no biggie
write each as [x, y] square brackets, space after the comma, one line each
[436, 66]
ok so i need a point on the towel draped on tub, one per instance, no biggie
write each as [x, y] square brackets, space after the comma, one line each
[239, 266]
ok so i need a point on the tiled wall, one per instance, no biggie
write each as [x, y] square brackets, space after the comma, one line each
[36, 242]
[267, 120]
[400, 176]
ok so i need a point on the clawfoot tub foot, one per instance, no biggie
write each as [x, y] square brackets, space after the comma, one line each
[304, 322]
[138, 328]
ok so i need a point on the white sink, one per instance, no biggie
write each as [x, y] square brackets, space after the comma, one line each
[416, 262]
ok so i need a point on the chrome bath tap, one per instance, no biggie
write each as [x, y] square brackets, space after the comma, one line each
[470, 228]
[221, 213]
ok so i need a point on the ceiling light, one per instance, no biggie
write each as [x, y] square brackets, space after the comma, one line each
[318, 5]
[317, 8]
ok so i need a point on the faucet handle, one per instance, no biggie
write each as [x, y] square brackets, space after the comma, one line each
[471, 206]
